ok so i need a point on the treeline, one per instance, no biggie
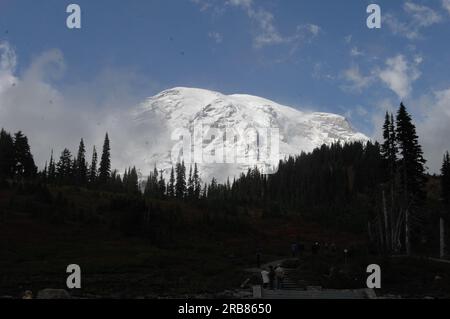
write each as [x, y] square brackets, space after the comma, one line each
[16, 160]
[365, 187]
[378, 189]
[179, 185]
[75, 170]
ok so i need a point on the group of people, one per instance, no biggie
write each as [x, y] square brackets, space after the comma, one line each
[273, 277]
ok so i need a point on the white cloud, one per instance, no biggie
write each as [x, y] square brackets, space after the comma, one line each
[361, 111]
[348, 39]
[242, 3]
[265, 31]
[399, 75]
[431, 115]
[55, 118]
[356, 81]
[321, 71]
[419, 18]
[446, 5]
[8, 61]
[314, 29]
[422, 15]
[434, 128]
[216, 36]
[204, 5]
[355, 52]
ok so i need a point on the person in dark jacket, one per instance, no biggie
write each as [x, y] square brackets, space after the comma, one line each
[272, 278]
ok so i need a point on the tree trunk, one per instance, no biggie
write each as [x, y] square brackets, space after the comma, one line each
[407, 239]
[380, 230]
[386, 223]
[442, 237]
[393, 215]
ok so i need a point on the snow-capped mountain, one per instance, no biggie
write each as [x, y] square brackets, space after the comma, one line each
[227, 134]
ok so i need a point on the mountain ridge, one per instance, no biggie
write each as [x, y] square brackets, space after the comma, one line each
[179, 109]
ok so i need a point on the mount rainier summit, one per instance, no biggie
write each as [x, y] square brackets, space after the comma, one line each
[163, 118]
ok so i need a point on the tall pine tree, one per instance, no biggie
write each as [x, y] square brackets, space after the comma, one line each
[105, 162]
[412, 161]
[197, 183]
[171, 185]
[7, 163]
[64, 167]
[445, 182]
[24, 162]
[51, 176]
[93, 167]
[162, 184]
[389, 148]
[180, 187]
[81, 165]
[412, 175]
[190, 185]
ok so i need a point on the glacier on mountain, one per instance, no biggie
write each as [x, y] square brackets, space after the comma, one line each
[168, 124]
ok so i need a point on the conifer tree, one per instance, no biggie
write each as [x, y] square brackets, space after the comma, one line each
[389, 147]
[64, 167]
[412, 161]
[24, 162]
[197, 183]
[205, 191]
[152, 187]
[190, 185]
[7, 163]
[93, 167]
[125, 178]
[45, 172]
[180, 186]
[171, 186]
[81, 166]
[74, 171]
[162, 185]
[445, 182]
[412, 174]
[51, 169]
[445, 189]
[389, 152]
[133, 182]
[105, 162]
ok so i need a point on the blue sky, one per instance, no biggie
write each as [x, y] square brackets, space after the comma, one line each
[317, 55]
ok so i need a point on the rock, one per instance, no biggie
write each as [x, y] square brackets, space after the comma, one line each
[28, 294]
[53, 294]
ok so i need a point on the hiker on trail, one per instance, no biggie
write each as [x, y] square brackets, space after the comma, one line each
[265, 278]
[279, 272]
[272, 278]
